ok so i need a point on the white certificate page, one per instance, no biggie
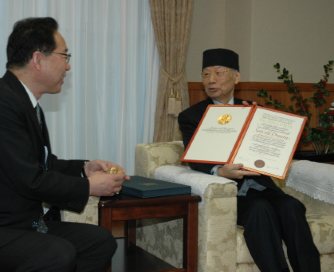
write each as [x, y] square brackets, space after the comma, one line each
[269, 142]
[217, 134]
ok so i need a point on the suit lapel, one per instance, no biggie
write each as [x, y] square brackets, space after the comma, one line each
[20, 92]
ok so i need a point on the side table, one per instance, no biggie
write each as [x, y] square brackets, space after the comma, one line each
[130, 209]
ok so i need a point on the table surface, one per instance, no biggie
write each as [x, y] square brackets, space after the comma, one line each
[122, 200]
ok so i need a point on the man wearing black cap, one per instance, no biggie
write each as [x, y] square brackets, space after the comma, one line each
[268, 215]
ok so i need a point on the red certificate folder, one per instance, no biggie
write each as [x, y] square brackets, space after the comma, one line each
[262, 139]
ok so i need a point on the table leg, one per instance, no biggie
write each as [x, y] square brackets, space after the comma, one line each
[105, 219]
[190, 245]
[131, 233]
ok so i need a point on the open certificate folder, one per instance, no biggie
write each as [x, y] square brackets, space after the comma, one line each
[263, 140]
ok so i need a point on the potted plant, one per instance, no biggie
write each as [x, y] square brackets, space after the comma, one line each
[321, 136]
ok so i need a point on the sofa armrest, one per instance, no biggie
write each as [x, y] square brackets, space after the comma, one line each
[89, 215]
[217, 210]
[204, 185]
[150, 156]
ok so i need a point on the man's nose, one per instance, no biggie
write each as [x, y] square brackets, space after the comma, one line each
[212, 77]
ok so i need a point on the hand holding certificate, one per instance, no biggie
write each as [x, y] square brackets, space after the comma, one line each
[263, 140]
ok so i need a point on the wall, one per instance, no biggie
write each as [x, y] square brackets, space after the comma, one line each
[298, 34]
[207, 31]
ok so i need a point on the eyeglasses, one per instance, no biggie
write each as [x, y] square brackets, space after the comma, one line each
[218, 73]
[66, 55]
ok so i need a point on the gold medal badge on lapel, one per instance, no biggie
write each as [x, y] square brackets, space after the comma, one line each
[224, 119]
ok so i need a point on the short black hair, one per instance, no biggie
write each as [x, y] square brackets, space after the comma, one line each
[30, 35]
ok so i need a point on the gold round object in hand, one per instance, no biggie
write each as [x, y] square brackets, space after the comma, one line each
[113, 170]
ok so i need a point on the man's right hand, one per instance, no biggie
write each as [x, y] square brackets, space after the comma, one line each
[234, 171]
[105, 184]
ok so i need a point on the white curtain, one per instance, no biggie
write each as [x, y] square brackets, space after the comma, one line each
[107, 103]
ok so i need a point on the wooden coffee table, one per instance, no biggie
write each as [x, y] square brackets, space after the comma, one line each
[130, 209]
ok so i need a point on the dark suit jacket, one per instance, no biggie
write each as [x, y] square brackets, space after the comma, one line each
[24, 181]
[188, 122]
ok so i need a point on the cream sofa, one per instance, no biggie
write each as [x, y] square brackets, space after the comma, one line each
[221, 243]
[89, 215]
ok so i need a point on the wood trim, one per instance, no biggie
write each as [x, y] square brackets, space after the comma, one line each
[278, 90]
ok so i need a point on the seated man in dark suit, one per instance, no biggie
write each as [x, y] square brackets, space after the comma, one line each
[268, 215]
[30, 174]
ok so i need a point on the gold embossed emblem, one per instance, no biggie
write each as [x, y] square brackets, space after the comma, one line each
[224, 119]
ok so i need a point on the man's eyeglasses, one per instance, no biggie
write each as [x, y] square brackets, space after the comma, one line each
[218, 73]
[66, 55]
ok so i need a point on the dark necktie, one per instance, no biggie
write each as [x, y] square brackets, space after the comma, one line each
[38, 113]
[39, 224]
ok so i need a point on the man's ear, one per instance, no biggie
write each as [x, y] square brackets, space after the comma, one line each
[36, 59]
[236, 77]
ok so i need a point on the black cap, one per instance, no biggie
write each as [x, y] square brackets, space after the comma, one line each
[220, 57]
